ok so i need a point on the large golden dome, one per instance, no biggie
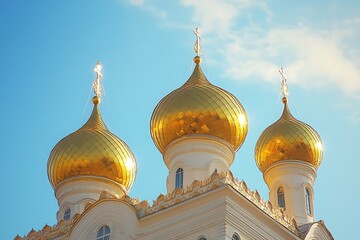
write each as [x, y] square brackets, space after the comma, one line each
[92, 151]
[288, 139]
[198, 107]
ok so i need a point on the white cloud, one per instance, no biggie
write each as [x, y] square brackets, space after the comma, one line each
[137, 2]
[149, 7]
[352, 21]
[212, 16]
[312, 58]
[354, 118]
[218, 16]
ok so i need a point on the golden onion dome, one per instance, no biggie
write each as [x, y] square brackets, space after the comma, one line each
[92, 151]
[288, 139]
[198, 107]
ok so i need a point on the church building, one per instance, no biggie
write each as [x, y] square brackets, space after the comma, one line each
[198, 128]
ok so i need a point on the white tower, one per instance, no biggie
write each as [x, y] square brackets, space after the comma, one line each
[288, 153]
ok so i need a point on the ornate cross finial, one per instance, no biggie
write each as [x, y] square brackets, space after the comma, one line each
[284, 87]
[97, 82]
[197, 46]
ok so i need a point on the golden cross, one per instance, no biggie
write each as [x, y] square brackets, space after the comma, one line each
[197, 46]
[97, 84]
[284, 87]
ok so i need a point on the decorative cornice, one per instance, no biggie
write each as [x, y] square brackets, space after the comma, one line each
[143, 208]
[48, 232]
[217, 180]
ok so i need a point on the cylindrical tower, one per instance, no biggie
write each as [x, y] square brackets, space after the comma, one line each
[288, 153]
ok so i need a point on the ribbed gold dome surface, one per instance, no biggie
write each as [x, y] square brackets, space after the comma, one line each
[92, 151]
[288, 139]
[198, 107]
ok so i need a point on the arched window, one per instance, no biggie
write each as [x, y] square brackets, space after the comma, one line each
[235, 237]
[103, 233]
[308, 201]
[179, 179]
[281, 197]
[202, 238]
[67, 214]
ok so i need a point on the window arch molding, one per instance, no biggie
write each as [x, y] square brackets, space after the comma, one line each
[179, 178]
[235, 236]
[103, 233]
[67, 214]
[308, 200]
[201, 238]
[280, 195]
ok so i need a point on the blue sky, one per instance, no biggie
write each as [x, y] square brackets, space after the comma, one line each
[48, 50]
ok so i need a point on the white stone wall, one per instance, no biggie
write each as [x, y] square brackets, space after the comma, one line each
[198, 156]
[215, 215]
[294, 177]
[75, 193]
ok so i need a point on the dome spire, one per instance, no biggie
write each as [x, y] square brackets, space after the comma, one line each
[197, 46]
[95, 121]
[97, 85]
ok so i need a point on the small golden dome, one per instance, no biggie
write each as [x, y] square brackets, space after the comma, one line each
[288, 139]
[92, 151]
[198, 107]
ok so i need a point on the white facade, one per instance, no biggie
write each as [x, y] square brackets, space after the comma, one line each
[296, 178]
[216, 208]
[77, 192]
[203, 202]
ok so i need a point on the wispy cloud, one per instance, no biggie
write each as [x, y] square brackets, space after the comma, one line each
[149, 7]
[212, 16]
[219, 16]
[137, 2]
[354, 117]
[313, 58]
